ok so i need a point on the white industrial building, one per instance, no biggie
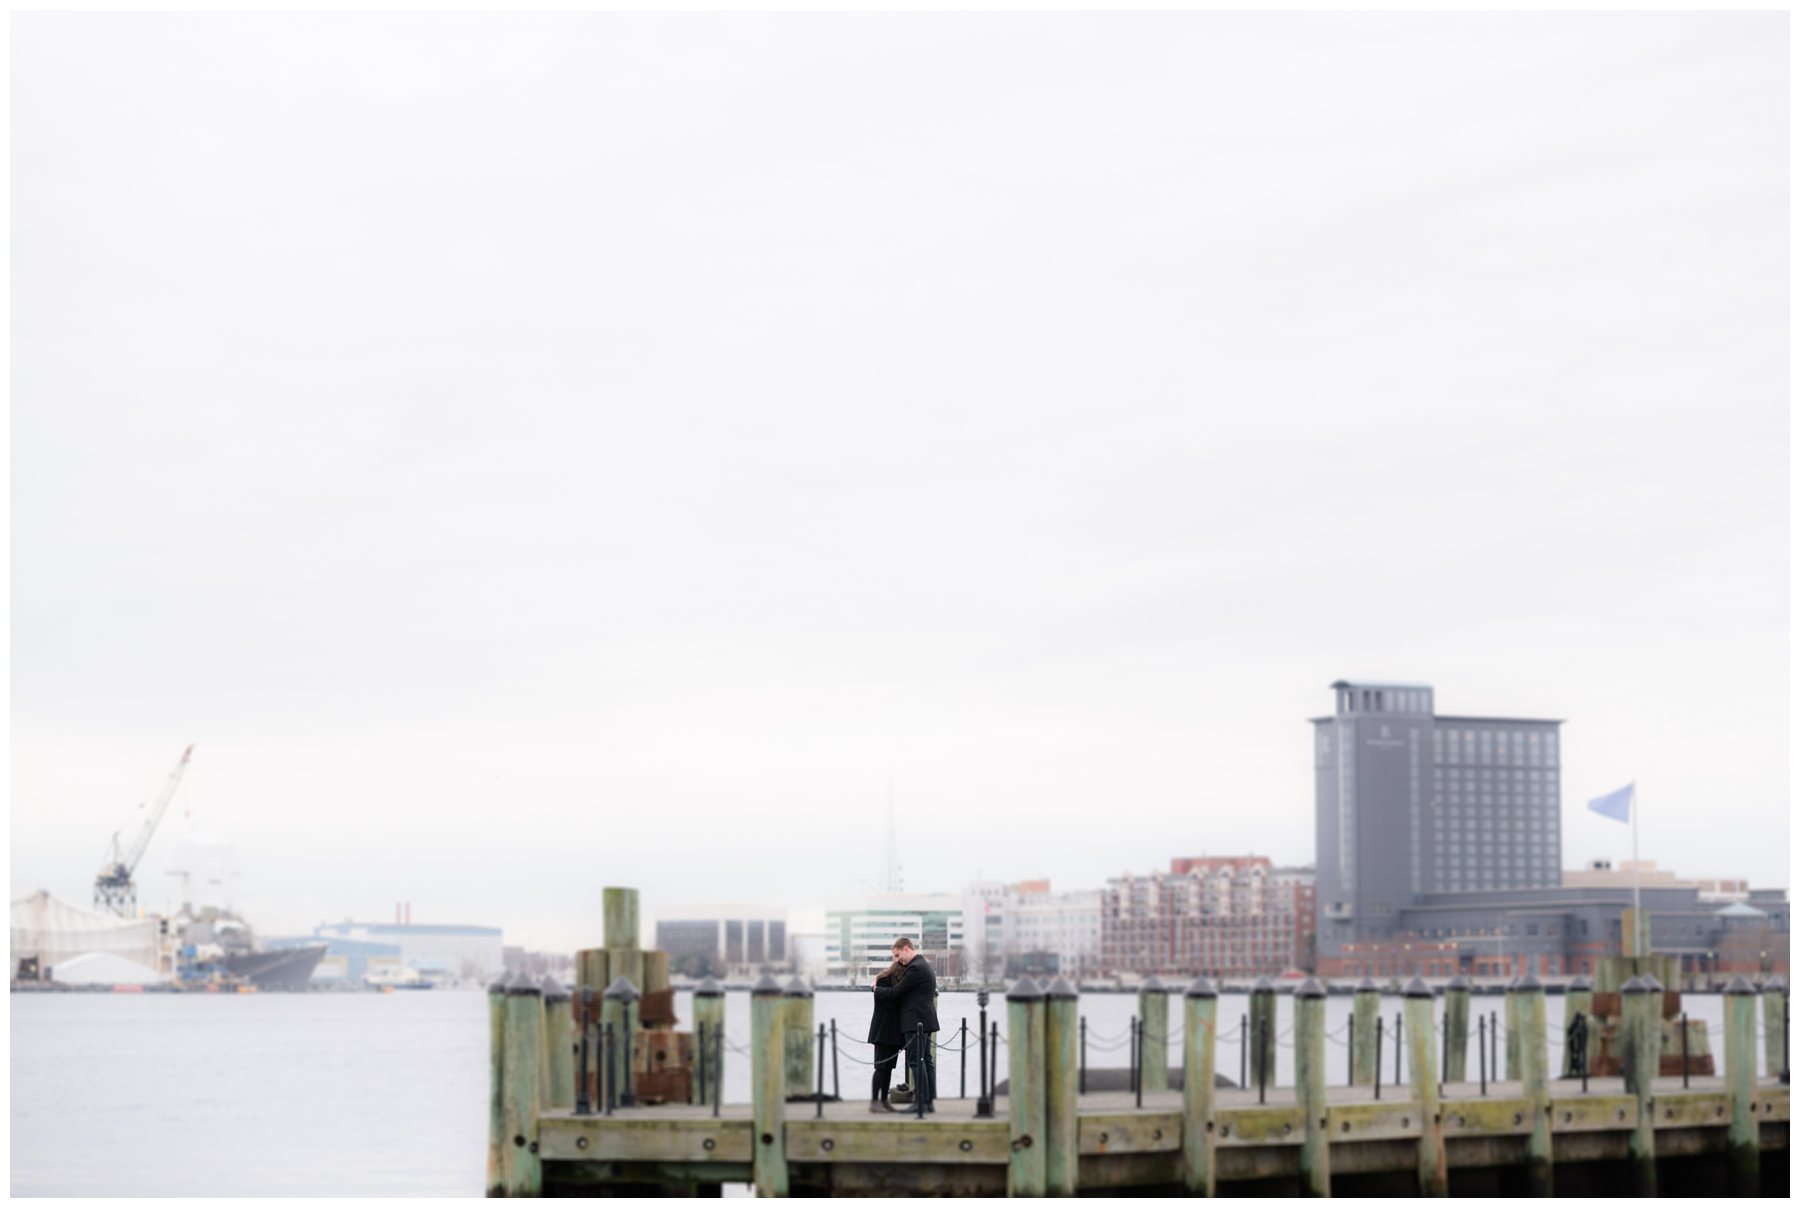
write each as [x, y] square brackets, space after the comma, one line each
[860, 933]
[457, 949]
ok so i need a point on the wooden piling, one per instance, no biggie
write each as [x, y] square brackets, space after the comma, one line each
[1153, 1056]
[768, 1078]
[797, 1033]
[1262, 1038]
[1510, 1017]
[1200, 1019]
[1774, 1027]
[1062, 1072]
[1534, 1068]
[621, 907]
[1365, 1010]
[1309, 1088]
[1456, 1030]
[1640, 1025]
[709, 1009]
[497, 1138]
[521, 1173]
[590, 972]
[1742, 1139]
[558, 1047]
[1421, 1037]
[656, 971]
[1026, 1171]
[1579, 999]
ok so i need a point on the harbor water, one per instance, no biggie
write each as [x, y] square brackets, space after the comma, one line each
[386, 1094]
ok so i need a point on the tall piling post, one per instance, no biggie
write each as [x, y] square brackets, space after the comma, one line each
[1262, 1032]
[1640, 1013]
[1511, 1020]
[558, 1046]
[1434, 1166]
[1365, 1009]
[497, 1138]
[1309, 1087]
[768, 1080]
[1742, 1139]
[1026, 1171]
[797, 1024]
[621, 921]
[1578, 1000]
[1062, 1074]
[1774, 1003]
[1456, 1030]
[1534, 1071]
[709, 1012]
[1199, 1057]
[1153, 1055]
[522, 1174]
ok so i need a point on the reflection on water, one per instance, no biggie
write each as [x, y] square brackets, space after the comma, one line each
[337, 1094]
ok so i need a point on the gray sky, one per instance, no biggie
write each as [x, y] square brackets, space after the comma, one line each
[529, 453]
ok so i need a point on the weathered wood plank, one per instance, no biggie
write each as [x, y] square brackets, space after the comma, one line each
[638, 1139]
[878, 1140]
[1130, 1132]
[1282, 1125]
[1372, 1122]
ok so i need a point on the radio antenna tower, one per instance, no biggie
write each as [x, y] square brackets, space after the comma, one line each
[893, 884]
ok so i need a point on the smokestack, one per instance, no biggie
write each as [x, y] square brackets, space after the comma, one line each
[409, 914]
[397, 914]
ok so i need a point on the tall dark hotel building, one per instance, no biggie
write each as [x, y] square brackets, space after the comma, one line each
[1411, 802]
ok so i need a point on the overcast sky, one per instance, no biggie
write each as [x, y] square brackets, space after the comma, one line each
[529, 453]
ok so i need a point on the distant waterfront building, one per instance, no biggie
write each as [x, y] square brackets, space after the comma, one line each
[1410, 802]
[859, 934]
[1223, 916]
[460, 950]
[1565, 930]
[732, 940]
[1026, 927]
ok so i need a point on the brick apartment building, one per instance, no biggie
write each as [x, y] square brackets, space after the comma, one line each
[1224, 916]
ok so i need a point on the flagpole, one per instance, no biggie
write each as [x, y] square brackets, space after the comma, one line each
[1637, 903]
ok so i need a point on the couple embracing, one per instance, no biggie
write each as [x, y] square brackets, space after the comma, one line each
[904, 1020]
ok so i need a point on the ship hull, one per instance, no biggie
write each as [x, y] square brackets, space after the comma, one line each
[280, 969]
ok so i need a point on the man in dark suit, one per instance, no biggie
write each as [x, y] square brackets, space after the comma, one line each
[915, 993]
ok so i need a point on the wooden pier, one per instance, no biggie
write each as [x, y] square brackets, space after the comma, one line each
[1535, 1134]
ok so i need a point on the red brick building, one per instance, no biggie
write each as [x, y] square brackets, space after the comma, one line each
[1224, 916]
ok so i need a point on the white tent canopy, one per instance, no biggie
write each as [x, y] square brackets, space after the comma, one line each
[103, 969]
[55, 932]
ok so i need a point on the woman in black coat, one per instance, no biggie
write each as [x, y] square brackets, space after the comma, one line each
[884, 1034]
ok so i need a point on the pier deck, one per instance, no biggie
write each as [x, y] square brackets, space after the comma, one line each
[846, 1149]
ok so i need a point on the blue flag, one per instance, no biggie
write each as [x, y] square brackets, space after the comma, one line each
[1615, 805]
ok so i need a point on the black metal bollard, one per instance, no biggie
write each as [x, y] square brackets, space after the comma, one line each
[1350, 1052]
[1481, 1049]
[962, 1056]
[1138, 1065]
[984, 1101]
[627, 1096]
[1784, 1038]
[921, 1038]
[1581, 1021]
[820, 1105]
[1081, 1073]
[837, 1092]
[1379, 1024]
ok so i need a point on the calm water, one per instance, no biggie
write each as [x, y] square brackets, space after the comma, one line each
[382, 1094]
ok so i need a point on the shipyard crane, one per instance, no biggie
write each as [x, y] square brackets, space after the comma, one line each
[114, 890]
